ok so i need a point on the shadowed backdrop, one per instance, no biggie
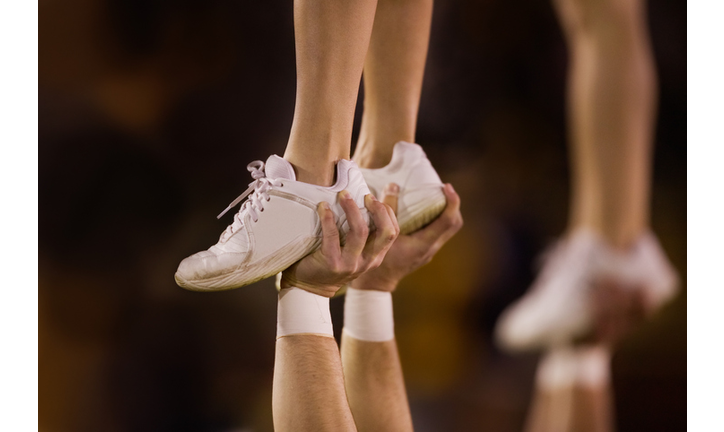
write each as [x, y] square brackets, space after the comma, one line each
[149, 111]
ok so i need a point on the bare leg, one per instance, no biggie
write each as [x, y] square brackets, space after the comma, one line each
[332, 37]
[611, 103]
[393, 75]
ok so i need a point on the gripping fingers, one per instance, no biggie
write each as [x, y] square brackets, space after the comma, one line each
[390, 195]
[449, 222]
[358, 230]
[386, 228]
[330, 233]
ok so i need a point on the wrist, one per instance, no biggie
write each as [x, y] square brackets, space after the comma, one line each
[302, 312]
[368, 315]
[374, 283]
[286, 282]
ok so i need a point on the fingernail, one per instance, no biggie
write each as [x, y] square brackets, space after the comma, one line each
[450, 186]
[345, 195]
[392, 189]
[372, 197]
[323, 206]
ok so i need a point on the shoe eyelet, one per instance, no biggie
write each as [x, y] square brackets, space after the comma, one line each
[268, 199]
[262, 210]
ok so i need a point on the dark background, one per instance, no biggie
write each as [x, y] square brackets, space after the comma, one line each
[149, 111]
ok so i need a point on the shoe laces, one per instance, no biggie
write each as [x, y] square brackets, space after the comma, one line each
[261, 186]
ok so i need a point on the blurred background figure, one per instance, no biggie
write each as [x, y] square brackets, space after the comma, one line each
[145, 107]
[609, 269]
[608, 249]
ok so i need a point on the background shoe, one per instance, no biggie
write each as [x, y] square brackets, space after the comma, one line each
[276, 226]
[558, 308]
[421, 198]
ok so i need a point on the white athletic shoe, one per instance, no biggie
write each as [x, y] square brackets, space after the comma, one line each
[276, 226]
[421, 197]
[558, 307]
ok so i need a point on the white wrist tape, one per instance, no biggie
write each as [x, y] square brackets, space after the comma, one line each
[301, 312]
[557, 369]
[594, 367]
[368, 315]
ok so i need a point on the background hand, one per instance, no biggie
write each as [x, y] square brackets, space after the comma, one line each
[618, 309]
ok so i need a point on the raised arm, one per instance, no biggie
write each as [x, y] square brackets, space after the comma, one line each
[372, 370]
[309, 392]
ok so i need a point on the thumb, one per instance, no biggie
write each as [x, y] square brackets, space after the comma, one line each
[390, 195]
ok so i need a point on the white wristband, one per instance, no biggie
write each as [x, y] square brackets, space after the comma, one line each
[557, 369]
[368, 315]
[594, 367]
[301, 312]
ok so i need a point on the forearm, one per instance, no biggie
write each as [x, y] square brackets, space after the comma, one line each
[375, 385]
[309, 392]
[371, 364]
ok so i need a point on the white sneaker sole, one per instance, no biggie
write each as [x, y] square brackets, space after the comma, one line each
[424, 211]
[248, 273]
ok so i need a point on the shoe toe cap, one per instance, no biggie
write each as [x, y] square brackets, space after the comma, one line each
[515, 330]
[205, 265]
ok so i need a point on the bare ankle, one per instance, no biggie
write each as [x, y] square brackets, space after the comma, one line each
[372, 159]
[621, 239]
[320, 177]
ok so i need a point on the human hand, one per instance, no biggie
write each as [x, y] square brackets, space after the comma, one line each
[331, 266]
[410, 252]
[617, 310]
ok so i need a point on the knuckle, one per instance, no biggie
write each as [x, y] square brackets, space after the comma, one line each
[346, 268]
[375, 263]
[389, 234]
[336, 266]
[328, 216]
[368, 265]
[351, 270]
[458, 222]
[362, 268]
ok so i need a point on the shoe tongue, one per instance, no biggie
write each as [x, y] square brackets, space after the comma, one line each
[277, 167]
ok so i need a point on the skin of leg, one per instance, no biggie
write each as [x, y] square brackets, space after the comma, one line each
[375, 385]
[331, 39]
[308, 390]
[611, 113]
[393, 73]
